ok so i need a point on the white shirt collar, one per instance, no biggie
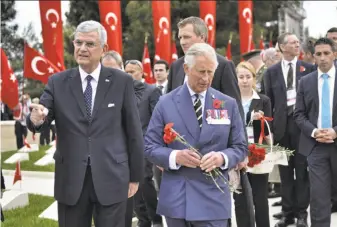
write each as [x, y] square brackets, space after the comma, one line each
[192, 93]
[94, 74]
[286, 63]
[331, 72]
[163, 84]
[255, 95]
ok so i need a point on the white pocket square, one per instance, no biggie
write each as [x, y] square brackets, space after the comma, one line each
[111, 104]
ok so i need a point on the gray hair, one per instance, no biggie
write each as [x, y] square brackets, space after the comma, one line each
[200, 49]
[114, 55]
[269, 53]
[93, 26]
[199, 26]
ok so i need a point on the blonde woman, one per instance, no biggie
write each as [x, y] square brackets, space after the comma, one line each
[255, 106]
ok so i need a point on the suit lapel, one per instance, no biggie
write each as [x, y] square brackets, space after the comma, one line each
[206, 130]
[334, 102]
[76, 88]
[281, 77]
[315, 93]
[181, 74]
[298, 72]
[185, 108]
[253, 105]
[104, 82]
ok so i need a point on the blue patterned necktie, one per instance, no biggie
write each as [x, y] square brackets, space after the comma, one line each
[88, 96]
[325, 100]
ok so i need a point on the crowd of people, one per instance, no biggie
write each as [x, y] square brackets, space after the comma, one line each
[110, 126]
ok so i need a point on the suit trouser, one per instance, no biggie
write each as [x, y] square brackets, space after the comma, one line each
[259, 183]
[146, 204]
[87, 206]
[53, 131]
[20, 132]
[157, 173]
[244, 207]
[45, 136]
[322, 169]
[129, 212]
[295, 190]
[172, 222]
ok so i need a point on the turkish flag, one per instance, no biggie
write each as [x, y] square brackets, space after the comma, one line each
[110, 15]
[157, 54]
[52, 34]
[9, 84]
[245, 25]
[229, 48]
[17, 174]
[147, 66]
[37, 66]
[208, 14]
[161, 14]
[174, 51]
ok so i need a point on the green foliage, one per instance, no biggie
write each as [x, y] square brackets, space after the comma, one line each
[29, 216]
[28, 165]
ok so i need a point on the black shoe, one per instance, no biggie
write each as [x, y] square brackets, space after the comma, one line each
[302, 222]
[284, 222]
[278, 203]
[273, 194]
[278, 215]
[334, 208]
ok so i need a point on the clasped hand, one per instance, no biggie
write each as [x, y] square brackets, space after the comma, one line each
[325, 135]
[208, 162]
[37, 116]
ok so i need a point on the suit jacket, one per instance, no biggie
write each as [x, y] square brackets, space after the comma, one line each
[264, 105]
[113, 138]
[275, 89]
[186, 193]
[307, 110]
[150, 97]
[139, 89]
[224, 80]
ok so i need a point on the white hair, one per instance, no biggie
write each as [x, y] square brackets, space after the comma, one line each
[114, 55]
[93, 26]
[269, 53]
[200, 49]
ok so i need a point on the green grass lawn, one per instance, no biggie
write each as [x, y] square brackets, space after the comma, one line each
[28, 165]
[29, 216]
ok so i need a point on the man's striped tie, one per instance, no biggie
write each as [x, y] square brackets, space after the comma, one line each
[198, 109]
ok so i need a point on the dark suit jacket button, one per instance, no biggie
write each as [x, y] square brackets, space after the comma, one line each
[89, 139]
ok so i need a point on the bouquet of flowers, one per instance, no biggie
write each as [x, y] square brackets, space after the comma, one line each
[262, 158]
[171, 135]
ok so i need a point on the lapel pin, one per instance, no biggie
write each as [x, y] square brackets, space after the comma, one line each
[106, 80]
[213, 97]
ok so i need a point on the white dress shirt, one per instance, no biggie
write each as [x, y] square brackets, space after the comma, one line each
[285, 69]
[172, 159]
[94, 82]
[331, 81]
[163, 90]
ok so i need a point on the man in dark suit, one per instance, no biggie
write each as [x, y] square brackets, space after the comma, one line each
[316, 116]
[194, 30]
[280, 84]
[146, 197]
[99, 157]
[332, 34]
[160, 72]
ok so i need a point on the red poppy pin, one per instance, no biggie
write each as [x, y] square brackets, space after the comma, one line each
[217, 104]
[302, 68]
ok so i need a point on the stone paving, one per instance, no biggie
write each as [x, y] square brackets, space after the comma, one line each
[43, 184]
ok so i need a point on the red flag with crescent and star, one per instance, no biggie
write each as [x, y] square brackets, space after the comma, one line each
[37, 66]
[208, 14]
[110, 16]
[246, 25]
[161, 15]
[52, 32]
[9, 83]
[148, 75]
[17, 174]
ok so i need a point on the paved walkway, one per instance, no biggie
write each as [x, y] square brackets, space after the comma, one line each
[44, 185]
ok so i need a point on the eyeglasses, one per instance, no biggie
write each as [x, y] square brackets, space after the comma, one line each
[134, 62]
[89, 45]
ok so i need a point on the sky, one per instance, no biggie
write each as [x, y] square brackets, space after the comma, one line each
[321, 15]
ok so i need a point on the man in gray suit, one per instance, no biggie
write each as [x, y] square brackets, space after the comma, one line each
[187, 197]
[99, 157]
[146, 197]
